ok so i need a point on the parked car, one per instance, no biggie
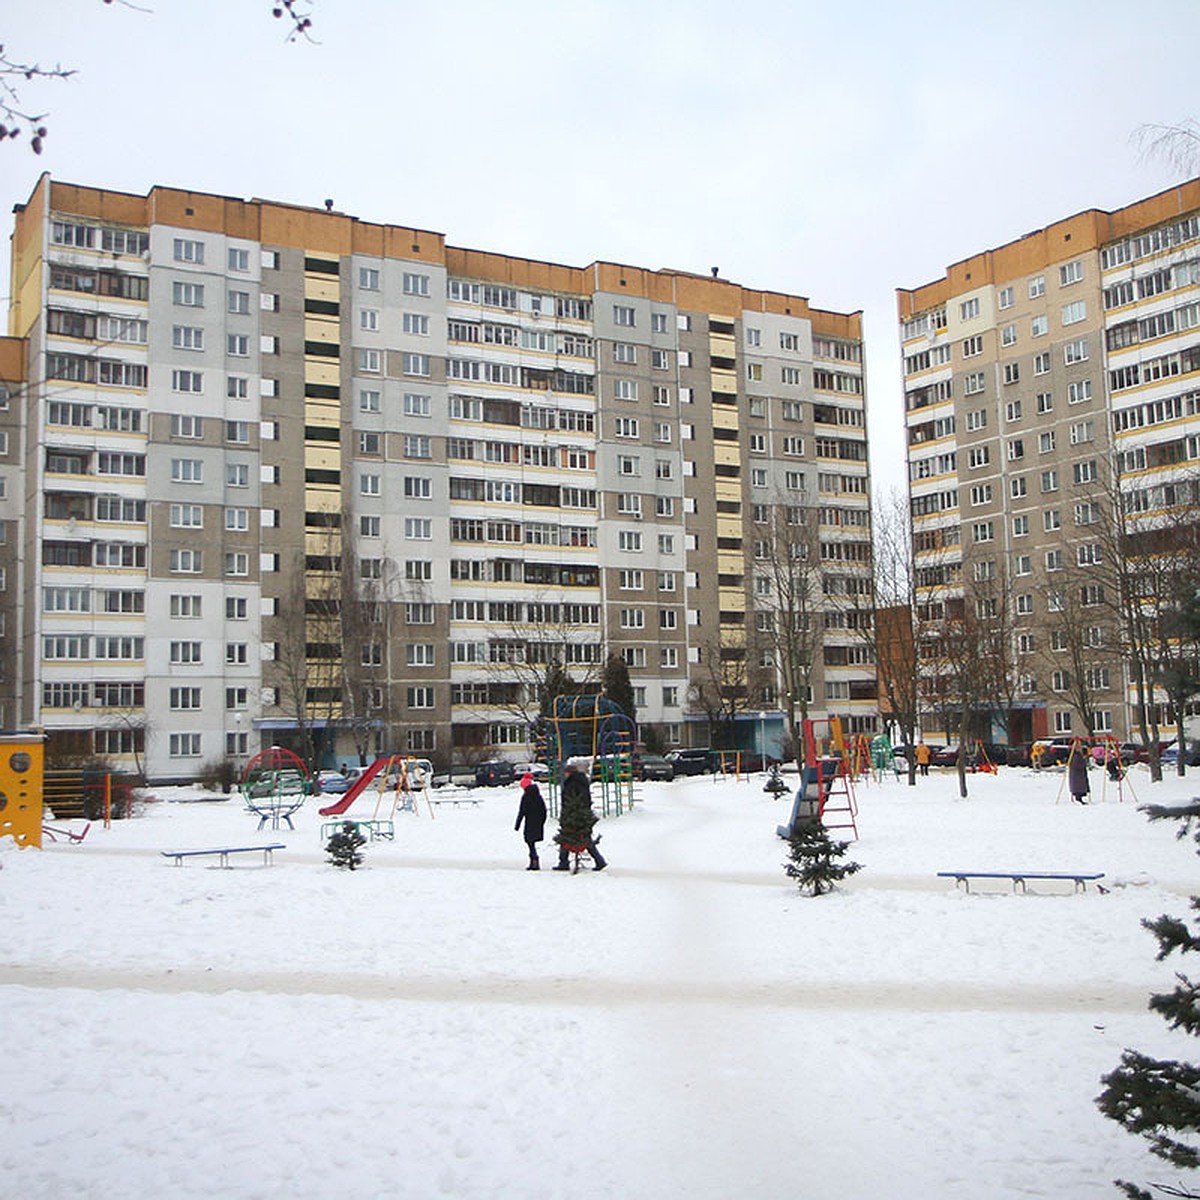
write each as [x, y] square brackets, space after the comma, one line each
[1018, 756]
[747, 761]
[495, 772]
[333, 783]
[691, 762]
[1170, 756]
[539, 771]
[653, 766]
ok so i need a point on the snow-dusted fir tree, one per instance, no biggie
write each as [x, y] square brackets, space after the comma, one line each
[344, 846]
[1159, 1099]
[814, 854]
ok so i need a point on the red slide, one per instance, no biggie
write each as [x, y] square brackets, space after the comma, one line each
[356, 789]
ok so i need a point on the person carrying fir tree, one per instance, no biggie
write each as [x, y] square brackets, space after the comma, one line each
[533, 813]
[576, 819]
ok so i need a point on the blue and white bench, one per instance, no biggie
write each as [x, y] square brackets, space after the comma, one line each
[223, 853]
[1019, 878]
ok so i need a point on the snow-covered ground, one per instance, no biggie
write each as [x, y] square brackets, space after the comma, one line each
[445, 1023]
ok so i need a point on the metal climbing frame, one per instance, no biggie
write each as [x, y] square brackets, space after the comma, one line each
[596, 728]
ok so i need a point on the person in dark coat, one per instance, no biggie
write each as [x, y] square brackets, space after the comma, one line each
[576, 819]
[1077, 773]
[533, 813]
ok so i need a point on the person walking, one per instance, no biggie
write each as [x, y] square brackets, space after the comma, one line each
[533, 814]
[923, 757]
[1077, 773]
[576, 820]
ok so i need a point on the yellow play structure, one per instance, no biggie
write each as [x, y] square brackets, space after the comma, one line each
[21, 759]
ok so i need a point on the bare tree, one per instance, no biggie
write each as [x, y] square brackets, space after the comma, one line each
[789, 612]
[536, 651]
[1149, 534]
[366, 618]
[308, 652]
[137, 723]
[892, 619]
[720, 690]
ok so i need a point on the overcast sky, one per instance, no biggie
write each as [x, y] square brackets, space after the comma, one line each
[835, 151]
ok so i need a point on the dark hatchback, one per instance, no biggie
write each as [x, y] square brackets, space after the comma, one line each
[652, 766]
[494, 773]
[691, 762]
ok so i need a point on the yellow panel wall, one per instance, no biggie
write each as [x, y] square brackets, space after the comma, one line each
[21, 759]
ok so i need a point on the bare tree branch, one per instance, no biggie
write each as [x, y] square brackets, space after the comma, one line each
[1176, 145]
[16, 117]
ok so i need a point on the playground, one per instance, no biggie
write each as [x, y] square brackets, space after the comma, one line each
[442, 1022]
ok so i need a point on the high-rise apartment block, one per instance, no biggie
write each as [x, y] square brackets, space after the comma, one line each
[269, 470]
[1052, 406]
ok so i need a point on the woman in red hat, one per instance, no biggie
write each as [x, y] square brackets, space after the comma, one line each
[533, 813]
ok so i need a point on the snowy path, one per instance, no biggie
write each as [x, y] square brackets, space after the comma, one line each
[577, 992]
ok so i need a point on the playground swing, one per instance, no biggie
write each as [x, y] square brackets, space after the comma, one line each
[1115, 769]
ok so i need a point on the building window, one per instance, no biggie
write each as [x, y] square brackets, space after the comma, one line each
[624, 315]
[1071, 272]
[188, 251]
[191, 382]
[187, 337]
[415, 285]
[187, 470]
[187, 295]
[184, 745]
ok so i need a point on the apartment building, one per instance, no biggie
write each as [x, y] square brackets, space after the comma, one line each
[1052, 407]
[275, 472]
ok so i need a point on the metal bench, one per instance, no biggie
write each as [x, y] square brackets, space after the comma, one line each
[376, 831]
[1019, 878]
[223, 852]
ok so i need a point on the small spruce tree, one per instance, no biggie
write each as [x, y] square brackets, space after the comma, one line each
[343, 847]
[813, 853]
[1159, 1099]
[575, 822]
